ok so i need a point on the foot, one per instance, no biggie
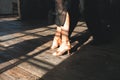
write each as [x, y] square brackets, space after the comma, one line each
[56, 42]
[65, 47]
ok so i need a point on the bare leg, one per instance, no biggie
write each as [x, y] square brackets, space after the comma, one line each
[65, 45]
[57, 38]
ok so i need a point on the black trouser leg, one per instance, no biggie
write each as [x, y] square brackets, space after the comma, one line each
[70, 6]
[74, 13]
[95, 19]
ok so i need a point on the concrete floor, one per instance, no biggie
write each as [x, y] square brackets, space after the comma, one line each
[25, 54]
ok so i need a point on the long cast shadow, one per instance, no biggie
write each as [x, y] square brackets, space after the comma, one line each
[23, 49]
[80, 38]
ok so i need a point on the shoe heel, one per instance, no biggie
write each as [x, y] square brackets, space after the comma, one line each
[69, 47]
[68, 52]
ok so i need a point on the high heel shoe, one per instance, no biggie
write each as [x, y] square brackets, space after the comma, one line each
[65, 47]
[56, 42]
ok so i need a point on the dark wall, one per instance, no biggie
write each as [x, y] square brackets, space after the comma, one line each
[115, 16]
[34, 9]
[42, 10]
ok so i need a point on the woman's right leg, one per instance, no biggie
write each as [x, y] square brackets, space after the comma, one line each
[59, 22]
[57, 38]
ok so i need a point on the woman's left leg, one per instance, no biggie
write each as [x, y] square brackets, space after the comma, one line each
[65, 45]
[63, 22]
